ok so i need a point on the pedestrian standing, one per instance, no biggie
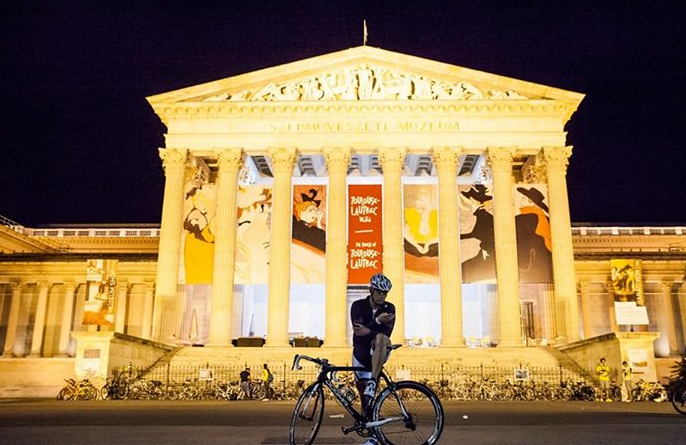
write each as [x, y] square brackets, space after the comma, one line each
[603, 373]
[245, 382]
[627, 374]
[267, 379]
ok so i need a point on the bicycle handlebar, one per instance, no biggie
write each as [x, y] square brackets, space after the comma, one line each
[298, 357]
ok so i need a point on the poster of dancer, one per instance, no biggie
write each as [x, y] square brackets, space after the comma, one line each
[534, 247]
[627, 285]
[477, 239]
[421, 233]
[308, 247]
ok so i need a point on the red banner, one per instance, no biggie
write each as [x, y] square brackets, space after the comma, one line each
[365, 228]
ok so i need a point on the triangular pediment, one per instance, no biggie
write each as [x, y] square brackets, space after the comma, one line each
[364, 74]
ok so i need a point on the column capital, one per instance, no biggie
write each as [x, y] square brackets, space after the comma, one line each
[229, 158]
[70, 285]
[500, 158]
[283, 158]
[337, 158]
[173, 158]
[392, 157]
[16, 285]
[666, 285]
[583, 284]
[43, 285]
[557, 158]
[446, 156]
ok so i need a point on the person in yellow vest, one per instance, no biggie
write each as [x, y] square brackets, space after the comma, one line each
[627, 374]
[603, 373]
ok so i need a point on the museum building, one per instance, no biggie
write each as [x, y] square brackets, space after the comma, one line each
[287, 188]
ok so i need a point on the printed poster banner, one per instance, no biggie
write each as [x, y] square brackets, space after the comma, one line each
[198, 224]
[365, 232]
[627, 286]
[308, 241]
[534, 248]
[101, 283]
[477, 238]
[253, 234]
[421, 233]
[198, 255]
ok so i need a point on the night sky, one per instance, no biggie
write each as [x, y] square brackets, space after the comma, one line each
[78, 141]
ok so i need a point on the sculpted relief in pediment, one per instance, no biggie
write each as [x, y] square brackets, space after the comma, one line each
[366, 83]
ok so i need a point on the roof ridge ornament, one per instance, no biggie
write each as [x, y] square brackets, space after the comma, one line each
[366, 82]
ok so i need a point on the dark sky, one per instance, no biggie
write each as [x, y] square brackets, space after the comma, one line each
[78, 141]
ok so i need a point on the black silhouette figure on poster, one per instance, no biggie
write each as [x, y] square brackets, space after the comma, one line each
[482, 265]
[307, 221]
[533, 238]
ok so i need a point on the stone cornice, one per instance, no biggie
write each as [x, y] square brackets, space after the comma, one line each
[223, 110]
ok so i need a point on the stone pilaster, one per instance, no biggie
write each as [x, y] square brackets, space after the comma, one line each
[39, 319]
[67, 319]
[614, 327]
[507, 273]
[337, 162]
[283, 160]
[586, 313]
[122, 305]
[229, 161]
[667, 316]
[549, 327]
[392, 161]
[557, 159]
[447, 160]
[165, 311]
[13, 320]
[149, 297]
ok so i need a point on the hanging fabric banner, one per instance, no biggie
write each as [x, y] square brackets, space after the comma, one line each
[477, 238]
[253, 234]
[421, 233]
[627, 286]
[101, 283]
[365, 230]
[534, 247]
[308, 246]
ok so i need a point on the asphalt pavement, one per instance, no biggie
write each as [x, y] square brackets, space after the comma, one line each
[257, 422]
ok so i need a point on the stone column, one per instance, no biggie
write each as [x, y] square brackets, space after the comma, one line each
[120, 314]
[586, 313]
[446, 160]
[614, 327]
[67, 318]
[337, 162]
[549, 328]
[681, 299]
[557, 159]
[283, 160]
[392, 161]
[13, 320]
[229, 161]
[507, 272]
[146, 330]
[667, 315]
[39, 320]
[171, 230]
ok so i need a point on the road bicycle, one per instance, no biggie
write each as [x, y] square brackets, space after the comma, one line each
[403, 412]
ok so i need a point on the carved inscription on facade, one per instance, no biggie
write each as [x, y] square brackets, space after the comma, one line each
[369, 126]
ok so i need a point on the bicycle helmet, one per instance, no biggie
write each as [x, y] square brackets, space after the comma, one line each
[380, 282]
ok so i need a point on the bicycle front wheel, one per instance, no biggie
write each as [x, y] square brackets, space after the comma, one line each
[678, 399]
[307, 416]
[412, 412]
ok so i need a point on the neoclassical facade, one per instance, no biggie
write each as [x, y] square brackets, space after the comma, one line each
[286, 188]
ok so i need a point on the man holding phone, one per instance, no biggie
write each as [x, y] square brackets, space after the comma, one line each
[373, 320]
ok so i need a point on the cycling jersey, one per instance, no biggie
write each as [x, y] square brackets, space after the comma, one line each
[361, 313]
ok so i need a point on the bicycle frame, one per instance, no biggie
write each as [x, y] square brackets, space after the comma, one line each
[326, 378]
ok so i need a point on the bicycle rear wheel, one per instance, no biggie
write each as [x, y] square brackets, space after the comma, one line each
[418, 413]
[678, 399]
[307, 416]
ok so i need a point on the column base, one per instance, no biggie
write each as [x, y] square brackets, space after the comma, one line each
[515, 342]
[34, 355]
[453, 342]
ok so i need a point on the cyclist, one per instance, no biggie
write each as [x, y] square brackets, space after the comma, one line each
[373, 320]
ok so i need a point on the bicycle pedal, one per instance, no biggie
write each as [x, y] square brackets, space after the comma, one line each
[349, 430]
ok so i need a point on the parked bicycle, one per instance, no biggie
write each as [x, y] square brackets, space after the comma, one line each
[678, 387]
[403, 412]
[78, 390]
